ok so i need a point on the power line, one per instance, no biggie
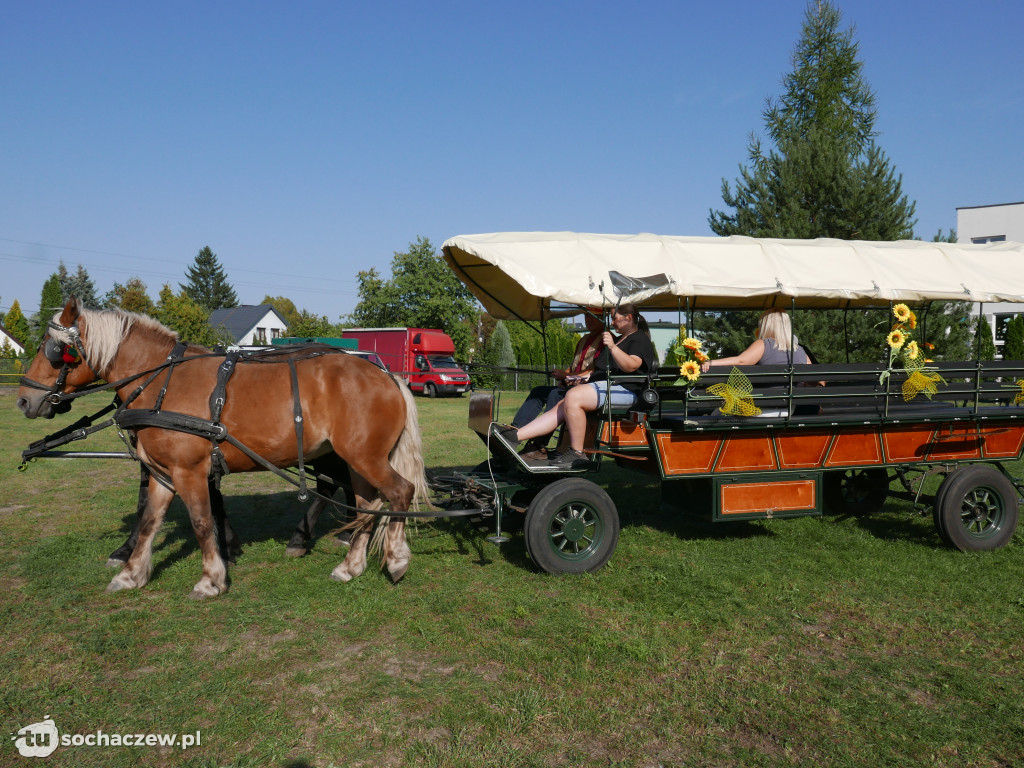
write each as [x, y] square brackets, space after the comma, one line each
[184, 265]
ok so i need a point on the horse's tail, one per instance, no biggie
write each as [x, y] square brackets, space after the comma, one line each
[407, 455]
[407, 460]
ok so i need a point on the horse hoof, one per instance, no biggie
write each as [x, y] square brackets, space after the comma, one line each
[205, 589]
[338, 574]
[113, 562]
[118, 584]
[295, 551]
[398, 571]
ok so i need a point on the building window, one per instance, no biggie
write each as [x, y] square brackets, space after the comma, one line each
[989, 239]
[275, 333]
[1000, 322]
[261, 336]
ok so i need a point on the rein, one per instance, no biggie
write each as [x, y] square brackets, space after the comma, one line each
[134, 418]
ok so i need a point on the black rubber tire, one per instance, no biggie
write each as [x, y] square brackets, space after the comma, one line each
[572, 526]
[430, 390]
[977, 508]
[856, 492]
[940, 524]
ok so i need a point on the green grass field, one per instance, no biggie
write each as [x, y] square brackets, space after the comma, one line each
[826, 641]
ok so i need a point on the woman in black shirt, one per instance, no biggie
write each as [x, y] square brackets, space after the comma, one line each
[631, 353]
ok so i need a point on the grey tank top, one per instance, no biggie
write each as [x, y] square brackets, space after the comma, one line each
[775, 356]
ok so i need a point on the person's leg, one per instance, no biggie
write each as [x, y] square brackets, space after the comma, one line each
[577, 403]
[533, 405]
[556, 396]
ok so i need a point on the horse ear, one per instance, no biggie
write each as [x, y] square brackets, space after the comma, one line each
[70, 313]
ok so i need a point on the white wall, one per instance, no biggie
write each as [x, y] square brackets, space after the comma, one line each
[988, 221]
[982, 224]
[272, 327]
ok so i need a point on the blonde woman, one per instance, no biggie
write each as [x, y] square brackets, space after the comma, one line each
[772, 346]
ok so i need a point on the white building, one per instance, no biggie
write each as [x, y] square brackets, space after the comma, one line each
[248, 325]
[993, 224]
[16, 344]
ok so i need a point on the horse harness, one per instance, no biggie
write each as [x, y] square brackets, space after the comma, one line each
[132, 419]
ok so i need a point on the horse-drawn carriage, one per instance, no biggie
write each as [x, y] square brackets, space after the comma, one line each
[836, 434]
[797, 448]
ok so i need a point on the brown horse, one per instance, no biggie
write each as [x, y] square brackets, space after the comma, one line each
[348, 406]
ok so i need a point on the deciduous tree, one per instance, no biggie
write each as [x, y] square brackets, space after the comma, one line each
[422, 293]
[132, 296]
[180, 313]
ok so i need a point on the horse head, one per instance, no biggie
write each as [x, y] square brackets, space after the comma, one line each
[60, 366]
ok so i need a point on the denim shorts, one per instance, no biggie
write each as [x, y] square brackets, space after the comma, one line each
[620, 395]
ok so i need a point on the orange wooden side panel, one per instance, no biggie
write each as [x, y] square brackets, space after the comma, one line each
[834, 448]
[803, 450]
[624, 434]
[855, 446]
[749, 452]
[1002, 442]
[688, 454]
[748, 498]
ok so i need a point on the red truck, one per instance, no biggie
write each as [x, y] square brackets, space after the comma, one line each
[424, 356]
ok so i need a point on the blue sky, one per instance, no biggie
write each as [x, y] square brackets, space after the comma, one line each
[306, 141]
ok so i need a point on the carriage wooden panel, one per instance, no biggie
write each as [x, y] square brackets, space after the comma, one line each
[838, 447]
[683, 454]
[855, 447]
[624, 434]
[767, 498]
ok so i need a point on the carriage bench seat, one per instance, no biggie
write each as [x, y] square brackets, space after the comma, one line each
[852, 392]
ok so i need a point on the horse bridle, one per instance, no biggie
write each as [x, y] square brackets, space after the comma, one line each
[67, 356]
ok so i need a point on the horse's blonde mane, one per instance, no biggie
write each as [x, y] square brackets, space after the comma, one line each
[105, 329]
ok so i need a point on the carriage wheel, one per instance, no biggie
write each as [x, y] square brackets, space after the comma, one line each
[856, 491]
[977, 508]
[572, 526]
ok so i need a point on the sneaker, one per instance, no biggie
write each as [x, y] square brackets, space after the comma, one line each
[507, 435]
[570, 460]
[534, 451]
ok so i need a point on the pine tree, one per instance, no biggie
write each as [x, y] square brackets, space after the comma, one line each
[17, 325]
[50, 302]
[984, 345]
[1013, 348]
[208, 284]
[79, 285]
[825, 177]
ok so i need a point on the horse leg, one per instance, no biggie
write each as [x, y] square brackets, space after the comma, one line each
[396, 548]
[331, 474]
[229, 546]
[355, 561]
[194, 491]
[120, 555]
[226, 536]
[297, 544]
[399, 492]
[139, 566]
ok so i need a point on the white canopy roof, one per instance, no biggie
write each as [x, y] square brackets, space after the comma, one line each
[522, 274]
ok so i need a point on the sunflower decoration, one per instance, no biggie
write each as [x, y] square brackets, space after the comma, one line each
[690, 354]
[1019, 397]
[906, 353]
